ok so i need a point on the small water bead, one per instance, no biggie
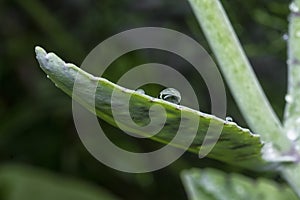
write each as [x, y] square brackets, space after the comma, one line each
[140, 91]
[48, 76]
[288, 98]
[228, 119]
[171, 95]
[292, 134]
[285, 37]
[293, 7]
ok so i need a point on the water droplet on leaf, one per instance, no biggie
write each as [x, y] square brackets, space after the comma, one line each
[285, 37]
[292, 134]
[140, 91]
[170, 94]
[288, 98]
[229, 119]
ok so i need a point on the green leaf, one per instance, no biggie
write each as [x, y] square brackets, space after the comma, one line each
[27, 183]
[211, 184]
[236, 145]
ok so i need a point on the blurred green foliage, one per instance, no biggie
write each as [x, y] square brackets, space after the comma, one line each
[36, 126]
[211, 184]
[26, 183]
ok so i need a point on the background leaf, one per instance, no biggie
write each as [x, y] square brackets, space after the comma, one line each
[27, 183]
[211, 184]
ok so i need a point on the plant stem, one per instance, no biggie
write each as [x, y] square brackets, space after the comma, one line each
[292, 110]
[238, 73]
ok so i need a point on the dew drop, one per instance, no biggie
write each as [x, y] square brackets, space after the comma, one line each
[293, 7]
[140, 91]
[48, 76]
[292, 134]
[285, 37]
[288, 98]
[170, 94]
[228, 119]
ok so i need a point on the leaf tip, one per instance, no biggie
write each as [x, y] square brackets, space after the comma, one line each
[40, 52]
[40, 55]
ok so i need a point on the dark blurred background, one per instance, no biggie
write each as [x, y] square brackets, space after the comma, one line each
[36, 125]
